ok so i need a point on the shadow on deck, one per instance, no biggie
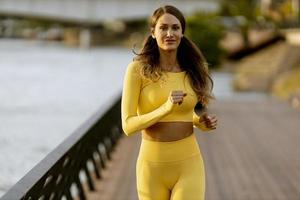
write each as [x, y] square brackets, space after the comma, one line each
[254, 154]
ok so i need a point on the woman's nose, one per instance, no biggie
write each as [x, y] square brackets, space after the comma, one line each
[169, 33]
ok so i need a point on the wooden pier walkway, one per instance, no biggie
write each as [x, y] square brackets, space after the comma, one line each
[253, 155]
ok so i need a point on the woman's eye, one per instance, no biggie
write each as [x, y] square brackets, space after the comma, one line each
[175, 28]
[163, 28]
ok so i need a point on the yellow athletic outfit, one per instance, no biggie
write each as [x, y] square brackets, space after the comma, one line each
[165, 170]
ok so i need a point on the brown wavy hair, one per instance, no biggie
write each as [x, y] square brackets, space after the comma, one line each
[189, 57]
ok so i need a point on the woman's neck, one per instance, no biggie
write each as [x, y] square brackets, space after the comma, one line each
[168, 60]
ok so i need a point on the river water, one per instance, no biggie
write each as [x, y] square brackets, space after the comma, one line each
[47, 90]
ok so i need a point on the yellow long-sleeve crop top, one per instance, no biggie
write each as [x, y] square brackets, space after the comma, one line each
[145, 102]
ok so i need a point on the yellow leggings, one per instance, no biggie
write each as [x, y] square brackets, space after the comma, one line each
[170, 170]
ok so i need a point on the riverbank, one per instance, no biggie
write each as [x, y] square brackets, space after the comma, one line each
[273, 70]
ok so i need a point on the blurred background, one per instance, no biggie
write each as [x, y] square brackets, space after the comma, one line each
[60, 60]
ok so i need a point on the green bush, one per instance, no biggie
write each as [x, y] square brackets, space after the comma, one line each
[206, 32]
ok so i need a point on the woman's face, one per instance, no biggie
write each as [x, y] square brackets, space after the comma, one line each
[167, 32]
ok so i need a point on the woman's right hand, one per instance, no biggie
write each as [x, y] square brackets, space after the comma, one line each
[177, 96]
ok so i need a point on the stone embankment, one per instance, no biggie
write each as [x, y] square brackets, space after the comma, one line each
[275, 69]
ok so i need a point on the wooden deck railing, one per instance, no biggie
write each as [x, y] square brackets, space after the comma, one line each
[82, 154]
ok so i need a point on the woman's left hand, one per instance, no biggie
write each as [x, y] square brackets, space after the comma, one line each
[210, 121]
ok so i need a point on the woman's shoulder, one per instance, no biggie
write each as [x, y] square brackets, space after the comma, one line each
[135, 66]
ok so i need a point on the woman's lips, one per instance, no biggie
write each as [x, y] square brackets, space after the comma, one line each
[170, 41]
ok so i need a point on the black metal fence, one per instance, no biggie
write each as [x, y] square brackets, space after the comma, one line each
[84, 152]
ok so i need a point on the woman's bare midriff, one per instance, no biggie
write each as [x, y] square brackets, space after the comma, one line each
[168, 131]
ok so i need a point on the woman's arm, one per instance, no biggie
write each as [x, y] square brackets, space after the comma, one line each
[131, 122]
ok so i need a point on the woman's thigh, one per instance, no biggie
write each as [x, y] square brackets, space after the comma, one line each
[150, 185]
[191, 184]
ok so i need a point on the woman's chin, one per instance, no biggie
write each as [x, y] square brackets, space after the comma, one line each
[170, 48]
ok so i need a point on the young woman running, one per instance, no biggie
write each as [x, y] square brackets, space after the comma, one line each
[161, 89]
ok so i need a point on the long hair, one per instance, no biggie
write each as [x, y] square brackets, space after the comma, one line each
[189, 57]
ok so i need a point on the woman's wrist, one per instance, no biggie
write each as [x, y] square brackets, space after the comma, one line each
[169, 105]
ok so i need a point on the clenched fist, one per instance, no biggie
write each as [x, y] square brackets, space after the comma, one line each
[177, 96]
[210, 121]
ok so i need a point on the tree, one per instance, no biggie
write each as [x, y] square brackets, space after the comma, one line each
[206, 32]
[245, 9]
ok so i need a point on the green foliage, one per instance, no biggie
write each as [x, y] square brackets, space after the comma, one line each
[137, 24]
[205, 31]
[247, 8]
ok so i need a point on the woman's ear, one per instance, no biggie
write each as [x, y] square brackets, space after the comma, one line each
[152, 33]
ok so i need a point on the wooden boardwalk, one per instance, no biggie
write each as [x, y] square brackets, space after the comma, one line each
[253, 155]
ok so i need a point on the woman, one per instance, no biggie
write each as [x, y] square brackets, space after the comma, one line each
[161, 88]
